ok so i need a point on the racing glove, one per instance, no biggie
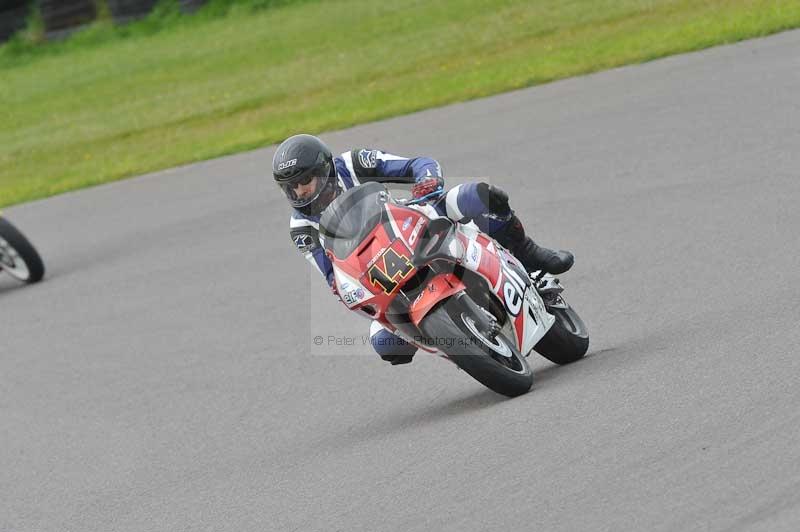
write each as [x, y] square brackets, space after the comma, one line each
[427, 185]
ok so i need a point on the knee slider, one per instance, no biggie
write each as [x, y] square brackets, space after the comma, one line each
[390, 346]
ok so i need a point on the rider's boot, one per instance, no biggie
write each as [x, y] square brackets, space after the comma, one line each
[532, 256]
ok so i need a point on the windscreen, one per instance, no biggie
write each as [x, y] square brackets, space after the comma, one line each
[351, 217]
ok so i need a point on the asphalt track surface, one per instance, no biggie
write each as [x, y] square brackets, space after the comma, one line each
[164, 377]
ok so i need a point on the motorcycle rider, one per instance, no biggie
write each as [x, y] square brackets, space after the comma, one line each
[311, 177]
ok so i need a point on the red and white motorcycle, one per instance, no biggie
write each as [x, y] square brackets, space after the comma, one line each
[18, 257]
[447, 288]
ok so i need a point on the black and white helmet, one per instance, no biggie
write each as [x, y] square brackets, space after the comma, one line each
[298, 161]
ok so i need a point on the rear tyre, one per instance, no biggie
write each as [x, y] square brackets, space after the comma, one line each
[495, 362]
[567, 340]
[18, 257]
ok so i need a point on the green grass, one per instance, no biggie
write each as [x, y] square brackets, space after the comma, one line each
[96, 109]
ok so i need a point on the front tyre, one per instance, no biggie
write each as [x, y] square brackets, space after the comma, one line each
[567, 340]
[18, 257]
[494, 362]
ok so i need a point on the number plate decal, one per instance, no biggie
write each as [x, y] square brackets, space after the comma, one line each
[390, 267]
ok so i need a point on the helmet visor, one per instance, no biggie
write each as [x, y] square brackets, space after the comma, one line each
[304, 190]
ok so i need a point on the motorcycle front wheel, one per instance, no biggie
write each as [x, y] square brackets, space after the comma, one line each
[18, 257]
[492, 360]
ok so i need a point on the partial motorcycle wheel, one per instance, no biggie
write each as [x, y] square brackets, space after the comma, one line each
[18, 257]
[494, 362]
[567, 340]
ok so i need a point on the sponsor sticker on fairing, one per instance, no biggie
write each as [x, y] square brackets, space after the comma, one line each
[376, 257]
[472, 259]
[354, 296]
[413, 236]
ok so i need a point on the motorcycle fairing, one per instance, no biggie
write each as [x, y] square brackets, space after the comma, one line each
[439, 288]
[375, 272]
[509, 282]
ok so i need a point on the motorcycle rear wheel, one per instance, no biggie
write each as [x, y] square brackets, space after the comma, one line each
[494, 362]
[18, 257]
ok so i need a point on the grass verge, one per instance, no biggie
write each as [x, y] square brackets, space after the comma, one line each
[102, 111]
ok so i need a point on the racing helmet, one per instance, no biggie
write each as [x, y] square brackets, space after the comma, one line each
[303, 168]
